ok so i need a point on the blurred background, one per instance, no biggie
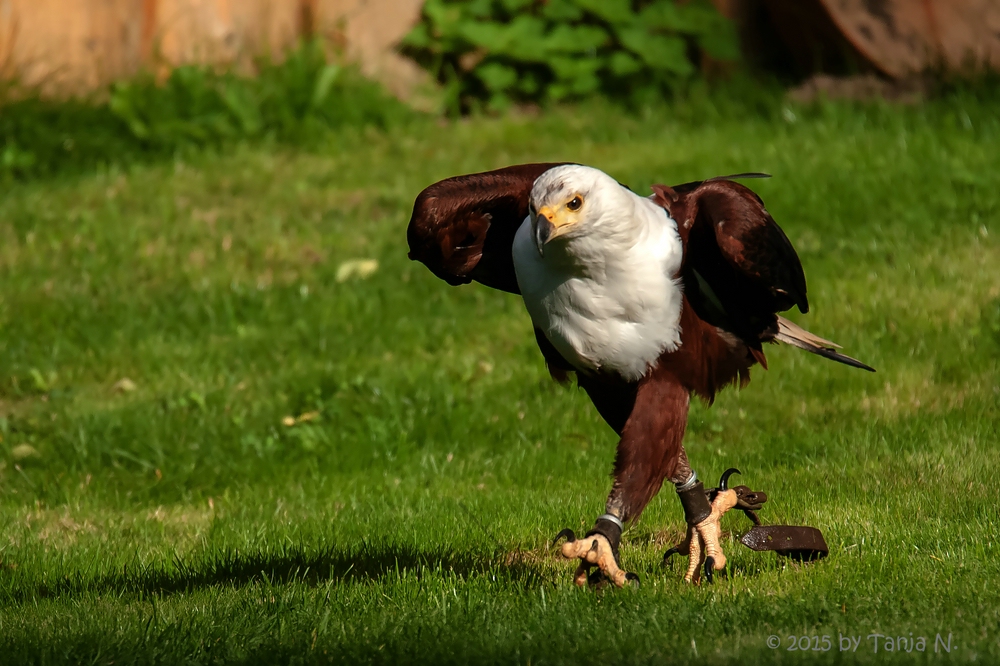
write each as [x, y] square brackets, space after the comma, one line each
[175, 72]
[80, 47]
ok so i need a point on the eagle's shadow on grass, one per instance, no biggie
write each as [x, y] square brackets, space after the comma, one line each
[311, 566]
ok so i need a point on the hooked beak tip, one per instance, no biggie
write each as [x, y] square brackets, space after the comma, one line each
[543, 232]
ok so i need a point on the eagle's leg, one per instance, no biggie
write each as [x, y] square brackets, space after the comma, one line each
[648, 453]
[701, 543]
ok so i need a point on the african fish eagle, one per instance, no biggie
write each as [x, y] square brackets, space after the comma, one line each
[646, 299]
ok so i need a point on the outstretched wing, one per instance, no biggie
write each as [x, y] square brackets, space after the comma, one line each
[739, 269]
[463, 228]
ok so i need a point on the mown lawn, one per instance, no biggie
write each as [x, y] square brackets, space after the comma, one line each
[161, 325]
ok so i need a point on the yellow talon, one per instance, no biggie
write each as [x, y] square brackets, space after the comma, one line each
[701, 543]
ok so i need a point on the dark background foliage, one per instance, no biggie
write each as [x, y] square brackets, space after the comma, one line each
[494, 52]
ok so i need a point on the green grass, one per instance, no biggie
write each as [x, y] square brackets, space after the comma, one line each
[408, 521]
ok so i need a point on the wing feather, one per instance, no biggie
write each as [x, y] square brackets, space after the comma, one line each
[463, 228]
[792, 334]
[740, 270]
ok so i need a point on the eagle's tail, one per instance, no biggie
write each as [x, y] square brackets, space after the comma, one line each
[791, 333]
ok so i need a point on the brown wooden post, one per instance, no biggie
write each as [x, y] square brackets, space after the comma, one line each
[149, 8]
[307, 18]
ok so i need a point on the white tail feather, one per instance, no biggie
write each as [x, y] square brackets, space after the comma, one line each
[792, 334]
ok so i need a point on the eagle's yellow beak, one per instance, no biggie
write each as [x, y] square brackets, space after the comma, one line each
[549, 224]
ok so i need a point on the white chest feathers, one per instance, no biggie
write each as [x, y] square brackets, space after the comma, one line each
[607, 303]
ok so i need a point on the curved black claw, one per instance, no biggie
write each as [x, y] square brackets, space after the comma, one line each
[632, 578]
[568, 533]
[674, 550]
[724, 480]
[710, 569]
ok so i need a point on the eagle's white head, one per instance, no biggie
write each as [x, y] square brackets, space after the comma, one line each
[573, 202]
[595, 265]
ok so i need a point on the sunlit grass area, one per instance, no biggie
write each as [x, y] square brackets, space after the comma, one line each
[221, 446]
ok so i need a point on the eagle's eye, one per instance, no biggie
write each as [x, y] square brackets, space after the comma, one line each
[575, 203]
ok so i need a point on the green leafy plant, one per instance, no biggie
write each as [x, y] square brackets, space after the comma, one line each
[496, 52]
[290, 100]
[295, 100]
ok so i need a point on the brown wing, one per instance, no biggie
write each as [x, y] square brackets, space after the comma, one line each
[739, 268]
[463, 228]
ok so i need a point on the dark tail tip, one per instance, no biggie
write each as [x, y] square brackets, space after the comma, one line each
[841, 358]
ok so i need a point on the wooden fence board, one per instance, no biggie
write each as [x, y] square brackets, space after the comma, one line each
[76, 46]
